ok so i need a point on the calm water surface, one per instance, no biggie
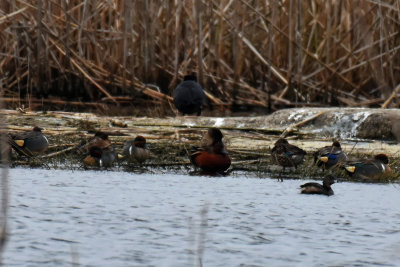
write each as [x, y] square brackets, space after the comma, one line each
[93, 218]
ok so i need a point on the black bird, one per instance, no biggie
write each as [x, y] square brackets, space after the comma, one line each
[189, 96]
[316, 188]
[330, 156]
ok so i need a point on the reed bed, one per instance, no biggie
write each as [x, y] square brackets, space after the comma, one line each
[268, 54]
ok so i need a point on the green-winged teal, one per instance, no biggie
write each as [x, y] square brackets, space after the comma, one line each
[99, 157]
[135, 149]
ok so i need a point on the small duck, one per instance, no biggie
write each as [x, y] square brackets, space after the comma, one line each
[287, 155]
[135, 149]
[99, 157]
[211, 156]
[316, 188]
[189, 96]
[368, 168]
[100, 139]
[330, 156]
[31, 143]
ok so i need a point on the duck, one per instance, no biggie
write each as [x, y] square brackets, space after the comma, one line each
[29, 144]
[287, 155]
[100, 139]
[330, 156]
[135, 149]
[100, 157]
[189, 96]
[316, 188]
[376, 167]
[211, 157]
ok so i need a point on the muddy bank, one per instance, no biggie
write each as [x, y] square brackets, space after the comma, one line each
[248, 139]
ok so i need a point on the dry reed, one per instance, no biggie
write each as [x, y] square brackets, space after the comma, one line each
[246, 53]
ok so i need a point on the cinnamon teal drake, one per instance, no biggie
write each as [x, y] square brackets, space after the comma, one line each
[189, 96]
[99, 157]
[211, 157]
[30, 143]
[135, 149]
[100, 139]
[330, 156]
[287, 155]
[376, 167]
[316, 188]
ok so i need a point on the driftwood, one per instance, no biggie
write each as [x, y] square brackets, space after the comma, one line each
[292, 127]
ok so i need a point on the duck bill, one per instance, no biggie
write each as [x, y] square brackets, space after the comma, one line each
[20, 142]
[351, 169]
[324, 159]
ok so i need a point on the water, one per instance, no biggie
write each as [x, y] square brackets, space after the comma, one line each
[93, 218]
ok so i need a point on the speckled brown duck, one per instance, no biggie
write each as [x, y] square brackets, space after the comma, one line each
[287, 155]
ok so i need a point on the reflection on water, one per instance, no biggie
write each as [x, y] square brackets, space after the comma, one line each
[98, 218]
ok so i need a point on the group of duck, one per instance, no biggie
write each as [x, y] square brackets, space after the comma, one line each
[210, 156]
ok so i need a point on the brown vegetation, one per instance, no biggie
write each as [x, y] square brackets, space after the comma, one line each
[246, 53]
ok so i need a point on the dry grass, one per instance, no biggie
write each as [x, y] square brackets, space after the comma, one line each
[246, 53]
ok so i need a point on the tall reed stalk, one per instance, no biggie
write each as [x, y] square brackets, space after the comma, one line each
[309, 53]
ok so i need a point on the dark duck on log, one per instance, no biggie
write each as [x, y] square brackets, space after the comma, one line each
[211, 156]
[330, 156]
[316, 188]
[189, 96]
[287, 155]
[30, 143]
[369, 168]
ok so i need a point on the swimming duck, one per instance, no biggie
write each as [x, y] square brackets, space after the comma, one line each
[287, 155]
[189, 96]
[99, 157]
[100, 139]
[211, 156]
[135, 149]
[330, 156]
[316, 188]
[368, 168]
[30, 143]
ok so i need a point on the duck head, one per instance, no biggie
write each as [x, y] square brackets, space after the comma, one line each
[139, 141]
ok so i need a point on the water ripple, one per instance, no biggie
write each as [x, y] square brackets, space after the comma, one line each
[92, 218]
